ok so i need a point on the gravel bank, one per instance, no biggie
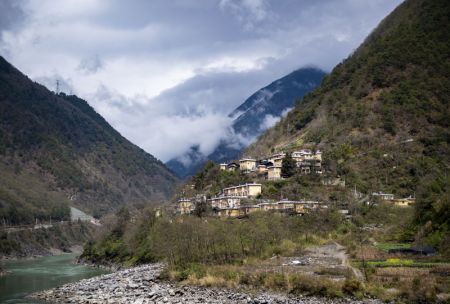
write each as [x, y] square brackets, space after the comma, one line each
[140, 285]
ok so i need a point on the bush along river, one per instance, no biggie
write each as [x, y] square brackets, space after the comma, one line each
[24, 277]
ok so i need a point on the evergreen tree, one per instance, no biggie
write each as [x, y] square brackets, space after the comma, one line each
[288, 166]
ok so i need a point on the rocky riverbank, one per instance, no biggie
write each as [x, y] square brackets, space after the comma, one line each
[140, 285]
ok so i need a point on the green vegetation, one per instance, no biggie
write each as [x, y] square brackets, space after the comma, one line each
[66, 150]
[211, 180]
[432, 212]
[186, 240]
[19, 204]
[388, 246]
[382, 116]
[397, 262]
[288, 166]
[237, 253]
[27, 242]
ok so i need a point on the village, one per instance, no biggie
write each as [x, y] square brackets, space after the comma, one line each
[240, 200]
[307, 161]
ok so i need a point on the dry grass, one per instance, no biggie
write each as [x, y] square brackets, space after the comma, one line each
[233, 276]
[368, 252]
[412, 285]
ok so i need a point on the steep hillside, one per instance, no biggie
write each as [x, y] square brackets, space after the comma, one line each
[251, 118]
[382, 116]
[55, 150]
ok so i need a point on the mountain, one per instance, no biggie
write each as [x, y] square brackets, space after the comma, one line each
[273, 100]
[382, 116]
[56, 151]
[258, 112]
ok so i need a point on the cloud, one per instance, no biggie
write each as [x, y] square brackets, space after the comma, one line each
[249, 12]
[11, 14]
[90, 65]
[270, 120]
[166, 74]
[157, 128]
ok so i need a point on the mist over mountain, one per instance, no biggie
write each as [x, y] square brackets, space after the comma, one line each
[255, 115]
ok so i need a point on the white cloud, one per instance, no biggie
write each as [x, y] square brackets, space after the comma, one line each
[248, 12]
[157, 128]
[90, 65]
[167, 74]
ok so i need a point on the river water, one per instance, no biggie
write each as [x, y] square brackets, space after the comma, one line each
[28, 276]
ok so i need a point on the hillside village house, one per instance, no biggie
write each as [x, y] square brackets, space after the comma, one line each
[310, 166]
[383, 196]
[404, 202]
[185, 206]
[223, 202]
[247, 164]
[389, 198]
[278, 162]
[261, 168]
[229, 212]
[294, 207]
[238, 211]
[228, 204]
[306, 154]
[274, 172]
[276, 156]
[232, 167]
[307, 161]
[298, 207]
[247, 209]
[248, 190]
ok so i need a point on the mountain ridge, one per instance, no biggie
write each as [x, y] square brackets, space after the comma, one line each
[67, 150]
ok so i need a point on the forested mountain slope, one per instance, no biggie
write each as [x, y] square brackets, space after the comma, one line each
[382, 115]
[55, 150]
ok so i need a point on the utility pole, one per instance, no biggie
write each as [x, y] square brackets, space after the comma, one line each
[57, 86]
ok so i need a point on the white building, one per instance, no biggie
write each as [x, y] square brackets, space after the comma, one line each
[247, 164]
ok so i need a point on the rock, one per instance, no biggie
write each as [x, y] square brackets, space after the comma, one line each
[139, 285]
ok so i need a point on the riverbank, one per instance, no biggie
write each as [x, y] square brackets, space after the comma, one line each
[140, 285]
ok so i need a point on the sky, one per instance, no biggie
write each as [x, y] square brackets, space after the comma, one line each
[166, 74]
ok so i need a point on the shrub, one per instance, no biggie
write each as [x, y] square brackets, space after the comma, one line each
[314, 286]
[352, 287]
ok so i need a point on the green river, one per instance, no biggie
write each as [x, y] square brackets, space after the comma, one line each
[28, 276]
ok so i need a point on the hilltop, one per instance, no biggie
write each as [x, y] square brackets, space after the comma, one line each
[257, 113]
[56, 151]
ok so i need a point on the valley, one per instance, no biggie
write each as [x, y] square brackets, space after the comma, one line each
[348, 165]
[320, 187]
